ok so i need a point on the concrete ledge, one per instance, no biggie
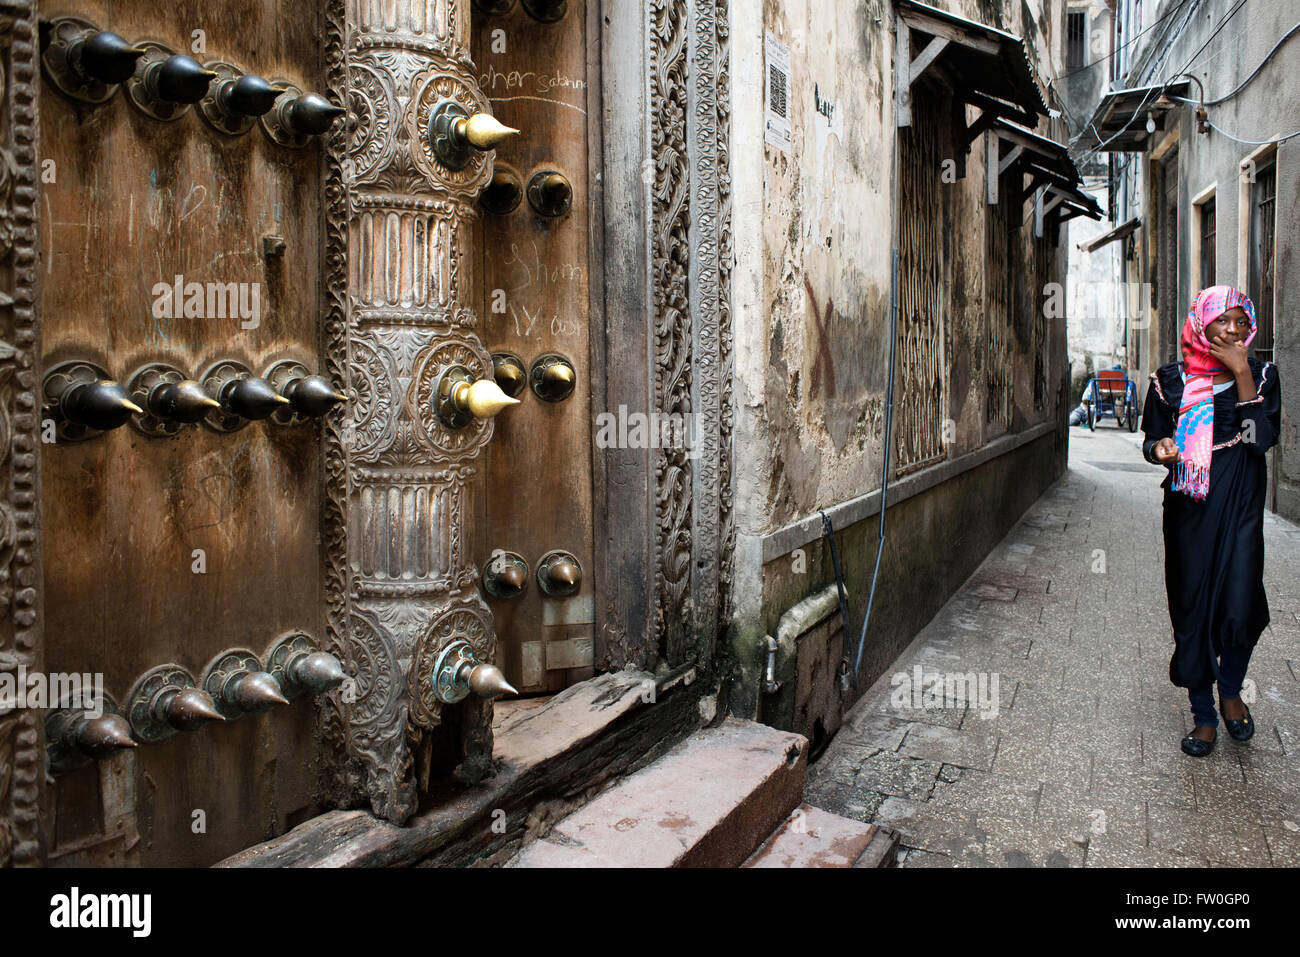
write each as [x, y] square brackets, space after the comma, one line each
[796, 534]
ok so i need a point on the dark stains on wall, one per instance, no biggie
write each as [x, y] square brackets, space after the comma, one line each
[848, 350]
[872, 28]
[821, 380]
[934, 542]
[796, 472]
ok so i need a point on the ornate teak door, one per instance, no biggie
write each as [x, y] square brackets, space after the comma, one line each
[180, 243]
[265, 398]
[255, 483]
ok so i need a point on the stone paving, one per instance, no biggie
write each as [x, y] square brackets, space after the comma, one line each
[1073, 759]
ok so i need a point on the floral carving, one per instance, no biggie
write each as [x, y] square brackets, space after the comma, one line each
[390, 331]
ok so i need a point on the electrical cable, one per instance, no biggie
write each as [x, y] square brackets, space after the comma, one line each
[1222, 23]
[1166, 44]
[1255, 72]
[1238, 139]
[884, 478]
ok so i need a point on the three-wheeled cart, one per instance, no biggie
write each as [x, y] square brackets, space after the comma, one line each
[1111, 392]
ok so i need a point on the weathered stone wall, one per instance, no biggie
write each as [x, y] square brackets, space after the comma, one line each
[812, 317]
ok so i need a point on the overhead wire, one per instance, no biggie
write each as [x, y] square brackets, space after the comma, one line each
[1133, 39]
[1255, 72]
[1166, 43]
[1166, 46]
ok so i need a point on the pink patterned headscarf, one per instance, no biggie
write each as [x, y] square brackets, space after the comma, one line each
[1194, 434]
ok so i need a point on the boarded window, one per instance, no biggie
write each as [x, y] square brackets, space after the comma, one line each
[922, 289]
[1263, 197]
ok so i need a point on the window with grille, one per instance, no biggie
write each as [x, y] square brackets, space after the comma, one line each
[1263, 197]
[1165, 272]
[1076, 41]
[999, 233]
[1207, 243]
[922, 320]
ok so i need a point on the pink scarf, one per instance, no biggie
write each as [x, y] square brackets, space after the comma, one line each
[1194, 434]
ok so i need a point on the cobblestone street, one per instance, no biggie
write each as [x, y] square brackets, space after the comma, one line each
[1081, 764]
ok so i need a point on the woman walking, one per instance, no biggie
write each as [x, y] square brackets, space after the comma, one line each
[1210, 419]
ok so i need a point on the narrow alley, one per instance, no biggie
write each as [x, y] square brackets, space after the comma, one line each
[1080, 765]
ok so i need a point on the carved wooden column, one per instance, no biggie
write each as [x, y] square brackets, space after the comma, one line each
[399, 279]
[664, 580]
[690, 256]
[22, 745]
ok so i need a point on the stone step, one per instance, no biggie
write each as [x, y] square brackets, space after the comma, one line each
[708, 802]
[811, 837]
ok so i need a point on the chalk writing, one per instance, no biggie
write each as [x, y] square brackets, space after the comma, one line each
[542, 272]
[528, 82]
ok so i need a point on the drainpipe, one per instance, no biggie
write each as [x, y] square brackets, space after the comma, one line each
[770, 684]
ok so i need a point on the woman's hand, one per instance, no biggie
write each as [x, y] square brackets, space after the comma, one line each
[1166, 451]
[1231, 354]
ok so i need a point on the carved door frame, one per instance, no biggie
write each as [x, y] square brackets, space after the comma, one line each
[22, 733]
[663, 517]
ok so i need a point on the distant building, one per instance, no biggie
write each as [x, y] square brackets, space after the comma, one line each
[1198, 127]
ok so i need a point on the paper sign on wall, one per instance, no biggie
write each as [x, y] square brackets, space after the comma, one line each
[776, 126]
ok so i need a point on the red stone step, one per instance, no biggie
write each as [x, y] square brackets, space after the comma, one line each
[811, 837]
[709, 802]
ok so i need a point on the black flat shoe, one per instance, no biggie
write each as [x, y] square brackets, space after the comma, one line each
[1243, 729]
[1196, 747]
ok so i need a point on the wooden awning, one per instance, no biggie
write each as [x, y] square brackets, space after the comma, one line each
[988, 68]
[1105, 239]
[1047, 163]
[1054, 205]
[1072, 202]
[1032, 150]
[1119, 123]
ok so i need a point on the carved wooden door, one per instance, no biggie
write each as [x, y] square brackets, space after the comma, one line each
[180, 242]
[265, 400]
[535, 517]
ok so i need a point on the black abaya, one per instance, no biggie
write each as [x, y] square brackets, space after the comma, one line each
[1214, 550]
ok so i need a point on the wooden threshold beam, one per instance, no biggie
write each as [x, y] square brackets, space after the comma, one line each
[550, 755]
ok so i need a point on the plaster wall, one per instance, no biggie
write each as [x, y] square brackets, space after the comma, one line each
[812, 293]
